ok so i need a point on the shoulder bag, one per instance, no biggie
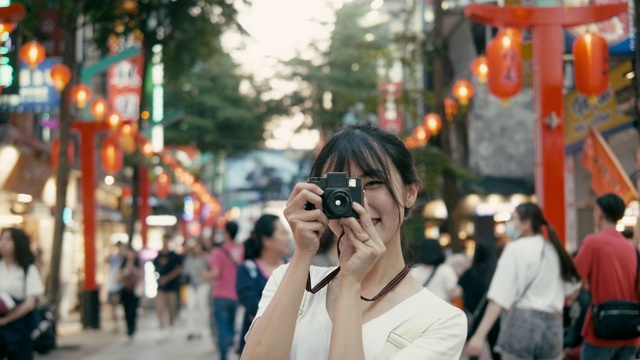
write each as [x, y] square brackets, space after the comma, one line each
[618, 319]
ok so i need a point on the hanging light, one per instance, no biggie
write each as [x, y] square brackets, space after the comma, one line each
[98, 108]
[480, 68]
[32, 54]
[60, 76]
[113, 120]
[163, 185]
[450, 108]
[80, 95]
[591, 65]
[433, 122]
[127, 139]
[111, 154]
[505, 64]
[147, 148]
[6, 28]
[411, 142]
[463, 91]
[421, 134]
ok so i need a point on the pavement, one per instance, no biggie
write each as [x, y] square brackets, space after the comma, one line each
[75, 343]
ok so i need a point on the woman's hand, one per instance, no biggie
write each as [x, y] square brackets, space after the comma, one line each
[3, 321]
[475, 345]
[360, 245]
[307, 225]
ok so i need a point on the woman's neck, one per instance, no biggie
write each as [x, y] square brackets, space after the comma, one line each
[9, 260]
[271, 258]
[383, 271]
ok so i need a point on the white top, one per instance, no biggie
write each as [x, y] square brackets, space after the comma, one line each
[12, 281]
[517, 267]
[443, 340]
[443, 281]
[115, 262]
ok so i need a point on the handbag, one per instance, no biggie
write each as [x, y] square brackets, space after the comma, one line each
[618, 319]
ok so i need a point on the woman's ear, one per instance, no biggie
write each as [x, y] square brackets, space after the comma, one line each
[411, 195]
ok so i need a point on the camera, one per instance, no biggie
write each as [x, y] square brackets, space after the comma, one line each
[340, 192]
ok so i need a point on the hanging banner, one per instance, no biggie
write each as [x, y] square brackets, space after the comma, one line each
[389, 114]
[607, 175]
[124, 82]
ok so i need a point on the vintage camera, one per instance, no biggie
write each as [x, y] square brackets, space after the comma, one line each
[340, 192]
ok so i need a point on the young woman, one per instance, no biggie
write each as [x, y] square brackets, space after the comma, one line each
[269, 243]
[131, 276]
[433, 272]
[531, 281]
[349, 312]
[19, 278]
[194, 266]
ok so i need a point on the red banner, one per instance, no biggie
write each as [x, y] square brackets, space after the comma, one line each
[389, 114]
[124, 85]
[607, 176]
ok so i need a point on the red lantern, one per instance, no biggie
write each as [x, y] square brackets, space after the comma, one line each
[6, 28]
[80, 94]
[127, 139]
[505, 65]
[463, 91]
[450, 108]
[98, 108]
[411, 142]
[111, 154]
[147, 148]
[163, 185]
[55, 152]
[60, 76]
[421, 134]
[113, 120]
[591, 65]
[433, 122]
[480, 68]
[32, 54]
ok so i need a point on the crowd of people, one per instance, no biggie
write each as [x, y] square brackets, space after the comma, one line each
[348, 291]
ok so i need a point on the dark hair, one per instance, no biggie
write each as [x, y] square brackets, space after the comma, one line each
[21, 246]
[429, 252]
[136, 261]
[231, 227]
[533, 213]
[612, 207]
[369, 148]
[264, 227]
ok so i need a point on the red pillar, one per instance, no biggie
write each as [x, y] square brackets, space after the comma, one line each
[88, 166]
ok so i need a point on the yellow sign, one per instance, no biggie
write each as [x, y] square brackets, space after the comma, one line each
[608, 113]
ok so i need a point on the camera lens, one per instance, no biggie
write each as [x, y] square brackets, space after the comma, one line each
[339, 203]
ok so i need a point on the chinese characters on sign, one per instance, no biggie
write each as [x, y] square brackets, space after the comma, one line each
[125, 86]
[389, 113]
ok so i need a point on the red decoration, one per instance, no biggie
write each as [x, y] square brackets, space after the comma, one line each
[450, 108]
[98, 108]
[505, 64]
[411, 142]
[421, 134]
[80, 95]
[55, 152]
[433, 122]
[127, 139]
[480, 68]
[111, 154]
[32, 54]
[591, 65]
[60, 76]
[463, 91]
[113, 120]
[163, 185]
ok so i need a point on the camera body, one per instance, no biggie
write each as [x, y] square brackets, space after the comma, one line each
[340, 192]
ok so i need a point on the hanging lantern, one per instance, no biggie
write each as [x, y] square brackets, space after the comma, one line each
[411, 142]
[480, 68]
[6, 28]
[147, 148]
[591, 65]
[32, 54]
[450, 108]
[463, 91]
[55, 153]
[422, 134]
[60, 76]
[98, 108]
[163, 185]
[433, 123]
[111, 154]
[505, 65]
[113, 120]
[127, 139]
[80, 95]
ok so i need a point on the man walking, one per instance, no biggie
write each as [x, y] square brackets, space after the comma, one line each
[607, 264]
[168, 268]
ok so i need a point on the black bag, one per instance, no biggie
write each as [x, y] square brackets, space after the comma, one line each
[618, 319]
[43, 336]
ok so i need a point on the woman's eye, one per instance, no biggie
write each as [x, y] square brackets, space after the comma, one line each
[373, 184]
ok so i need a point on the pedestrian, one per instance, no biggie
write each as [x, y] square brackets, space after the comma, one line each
[223, 267]
[20, 279]
[131, 278]
[114, 262]
[194, 267]
[359, 309]
[270, 240]
[168, 268]
[433, 272]
[533, 278]
[608, 264]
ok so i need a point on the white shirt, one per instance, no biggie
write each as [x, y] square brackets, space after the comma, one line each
[443, 340]
[12, 281]
[443, 281]
[520, 262]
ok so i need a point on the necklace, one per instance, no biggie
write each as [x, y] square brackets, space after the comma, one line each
[395, 281]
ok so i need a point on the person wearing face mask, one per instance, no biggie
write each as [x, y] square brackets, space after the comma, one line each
[608, 264]
[362, 308]
[533, 278]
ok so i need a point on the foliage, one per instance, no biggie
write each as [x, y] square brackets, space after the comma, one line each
[432, 163]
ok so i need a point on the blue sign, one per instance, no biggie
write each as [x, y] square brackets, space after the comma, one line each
[37, 93]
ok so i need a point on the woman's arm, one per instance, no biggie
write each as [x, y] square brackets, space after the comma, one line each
[346, 337]
[19, 311]
[491, 314]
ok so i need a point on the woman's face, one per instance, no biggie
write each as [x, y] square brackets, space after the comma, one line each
[383, 210]
[279, 242]
[521, 226]
[6, 244]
